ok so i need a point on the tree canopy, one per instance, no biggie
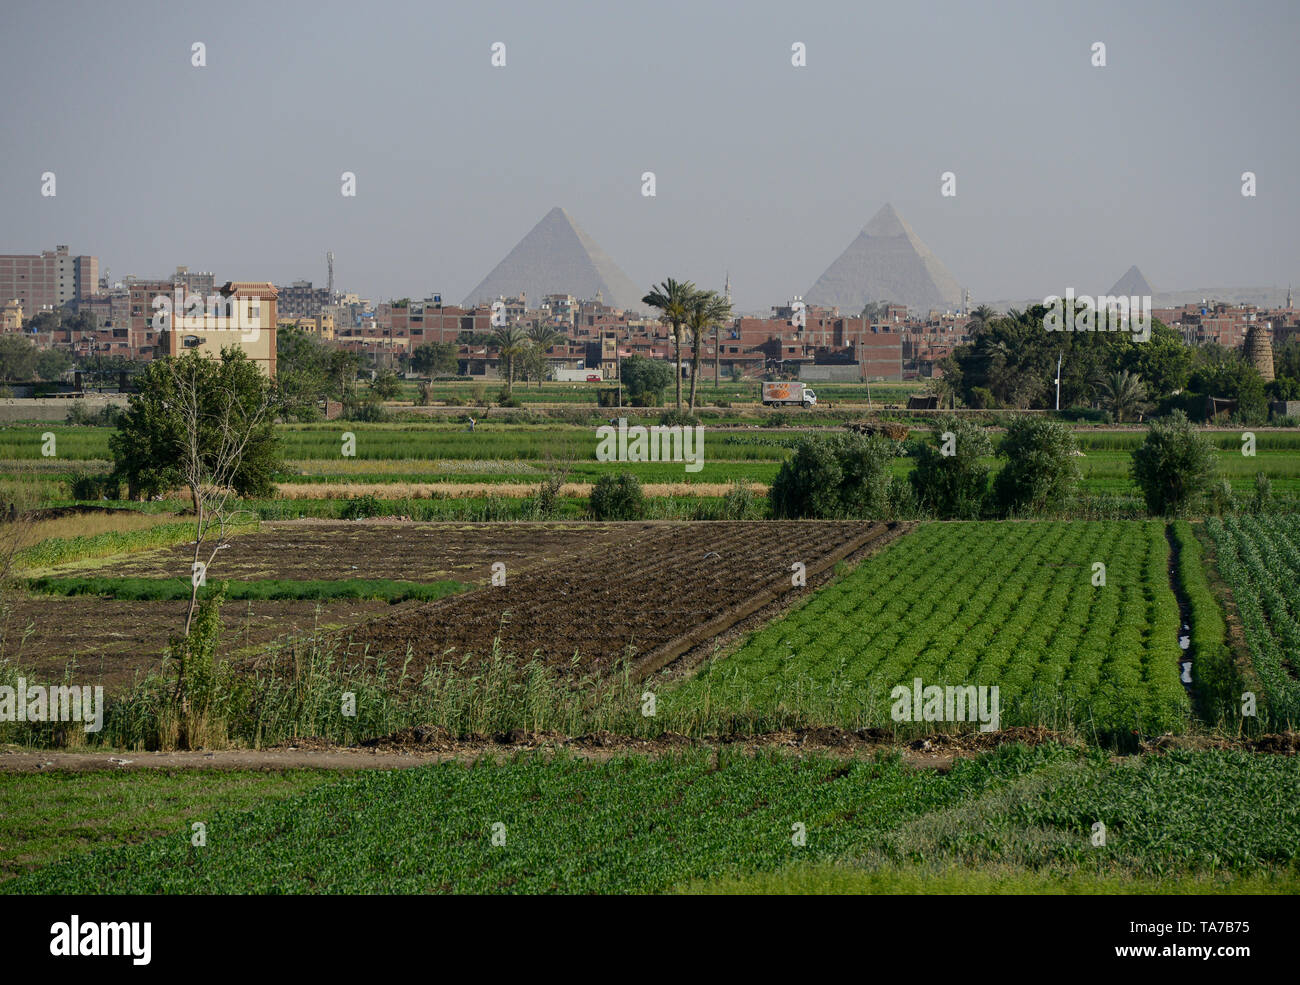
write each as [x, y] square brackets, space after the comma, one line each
[228, 396]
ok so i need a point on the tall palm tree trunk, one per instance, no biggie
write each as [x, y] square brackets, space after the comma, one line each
[695, 370]
[717, 355]
[677, 344]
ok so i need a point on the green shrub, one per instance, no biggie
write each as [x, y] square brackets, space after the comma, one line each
[678, 418]
[865, 488]
[106, 416]
[1174, 467]
[808, 484]
[950, 477]
[1041, 468]
[646, 380]
[90, 486]
[365, 411]
[360, 507]
[617, 498]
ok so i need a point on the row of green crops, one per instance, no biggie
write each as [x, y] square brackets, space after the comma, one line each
[1218, 682]
[958, 604]
[1260, 559]
[269, 589]
[634, 824]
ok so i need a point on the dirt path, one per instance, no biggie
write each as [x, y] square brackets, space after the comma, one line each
[422, 746]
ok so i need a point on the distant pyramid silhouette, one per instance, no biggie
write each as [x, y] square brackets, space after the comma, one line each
[557, 257]
[887, 262]
[1132, 283]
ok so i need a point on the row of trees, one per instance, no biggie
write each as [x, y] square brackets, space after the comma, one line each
[309, 371]
[682, 305]
[848, 474]
[525, 349]
[20, 359]
[1012, 361]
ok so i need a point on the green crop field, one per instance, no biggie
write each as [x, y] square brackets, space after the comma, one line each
[106, 809]
[957, 604]
[640, 824]
[1260, 558]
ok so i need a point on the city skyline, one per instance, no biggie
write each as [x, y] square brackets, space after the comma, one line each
[1064, 172]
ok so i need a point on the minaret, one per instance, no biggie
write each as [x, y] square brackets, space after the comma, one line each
[727, 290]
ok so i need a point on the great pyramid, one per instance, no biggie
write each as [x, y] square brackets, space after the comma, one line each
[557, 257]
[1131, 284]
[887, 262]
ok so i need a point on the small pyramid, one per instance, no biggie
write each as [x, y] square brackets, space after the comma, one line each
[887, 262]
[1132, 283]
[557, 257]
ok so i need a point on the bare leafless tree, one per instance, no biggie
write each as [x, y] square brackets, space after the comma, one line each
[213, 443]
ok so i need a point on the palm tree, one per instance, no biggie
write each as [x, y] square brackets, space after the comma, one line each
[510, 340]
[708, 308]
[1123, 393]
[544, 337]
[941, 387]
[672, 299]
[982, 316]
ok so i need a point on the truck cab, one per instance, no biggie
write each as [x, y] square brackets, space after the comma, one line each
[809, 398]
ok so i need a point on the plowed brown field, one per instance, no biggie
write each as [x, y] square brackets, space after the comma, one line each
[642, 601]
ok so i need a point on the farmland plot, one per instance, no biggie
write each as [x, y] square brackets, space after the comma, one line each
[118, 640]
[635, 604]
[1260, 558]
[645, 824]
[297, 550]
[1012, 605]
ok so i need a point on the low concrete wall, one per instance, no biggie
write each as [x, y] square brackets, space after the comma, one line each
[831, 373]
[54, 408]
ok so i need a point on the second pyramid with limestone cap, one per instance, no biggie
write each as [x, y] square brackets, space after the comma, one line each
[887, 262]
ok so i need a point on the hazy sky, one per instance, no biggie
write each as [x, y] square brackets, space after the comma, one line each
[1066, 174]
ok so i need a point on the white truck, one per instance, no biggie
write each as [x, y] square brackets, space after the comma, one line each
[781, 393]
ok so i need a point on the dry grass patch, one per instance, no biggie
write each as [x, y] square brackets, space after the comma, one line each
[467, 490]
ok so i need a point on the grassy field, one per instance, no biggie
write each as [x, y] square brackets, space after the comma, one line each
[111, 809]
[160, 532]
[1012, 605]
[634, 824]
[508, 461]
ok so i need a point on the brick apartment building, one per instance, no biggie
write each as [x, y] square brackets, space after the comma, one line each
[257, 342]
[300, 299]
[48, 280]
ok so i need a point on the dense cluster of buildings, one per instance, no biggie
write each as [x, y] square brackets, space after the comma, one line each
[811, 341]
